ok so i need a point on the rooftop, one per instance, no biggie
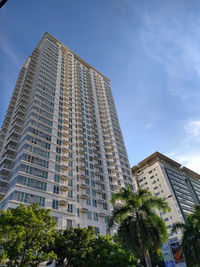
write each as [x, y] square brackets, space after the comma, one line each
[157, 156]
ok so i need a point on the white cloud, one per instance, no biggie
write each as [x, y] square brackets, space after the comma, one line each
[187, 151]
[8, 50]
[191, 161]
[193, 128]
[168, 39]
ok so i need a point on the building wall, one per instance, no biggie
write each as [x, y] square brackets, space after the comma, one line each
[153, 177]
[61, 144]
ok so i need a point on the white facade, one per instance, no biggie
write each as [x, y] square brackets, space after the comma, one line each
[60, 143]
[168, 179]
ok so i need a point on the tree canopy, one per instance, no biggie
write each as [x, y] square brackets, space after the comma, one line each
[25, 234]
[80, 247]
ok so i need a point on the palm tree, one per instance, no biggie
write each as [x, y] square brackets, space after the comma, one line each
[140, 228]
[190, 241]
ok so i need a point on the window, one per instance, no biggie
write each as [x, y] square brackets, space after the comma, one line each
[69, 223]
[105, 206]
[57, 158]
[112, 187]
[92, 183]
[94, 203]
[88, 191]
[93, 192]
[95, 216]
[57, 168]
[56, 178]
[41, 201]
[78, 212]
[106, 219]
[87, 181]
[56, 189]
[70, 183]
[55, 204]
[23, 197]
[88, 201]
[89, 215]
[70, 173]
[70, 208]
[70, 193]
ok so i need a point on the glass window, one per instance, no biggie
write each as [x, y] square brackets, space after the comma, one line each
[55, 204]
[56, 189]
[70, 208]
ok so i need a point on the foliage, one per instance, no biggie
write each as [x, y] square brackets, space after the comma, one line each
[72, 246]
[80, 247]
[140, 228]
[106, 252]
[25, 233]
[190, 241]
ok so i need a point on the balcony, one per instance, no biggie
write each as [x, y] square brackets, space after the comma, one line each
[100, 201]
[8, 158]
[81, 151]
[82, 159]
[82, 176]
[66, 120]
[65, 158]
[80, 138]
[82, 168]
[65, 127]
[64, 188]
[13, 140]
[84, 210]
[101, 214]
[99, 191]
[15, 131]
[84, 196]
[83, 186]
[5, 168]
[63, 202]
[3, 180]
[65, 149]
[81, 144]
[65, 134]
[64, 167]
[64, 177]
[117, 186]
[2, 194]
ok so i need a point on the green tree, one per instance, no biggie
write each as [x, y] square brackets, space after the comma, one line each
[72, 246]
[190, 241]
[109, 253]
[135, 215]
[77, 247]
[25, 233]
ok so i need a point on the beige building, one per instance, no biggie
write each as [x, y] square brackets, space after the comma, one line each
[61, 144]
[166, 178]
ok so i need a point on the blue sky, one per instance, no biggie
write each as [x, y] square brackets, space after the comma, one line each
[150, 49]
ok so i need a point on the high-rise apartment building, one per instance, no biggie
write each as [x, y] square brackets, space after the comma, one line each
[166, 178]
[60, 143]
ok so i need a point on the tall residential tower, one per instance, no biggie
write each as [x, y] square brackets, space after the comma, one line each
[60, 143]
